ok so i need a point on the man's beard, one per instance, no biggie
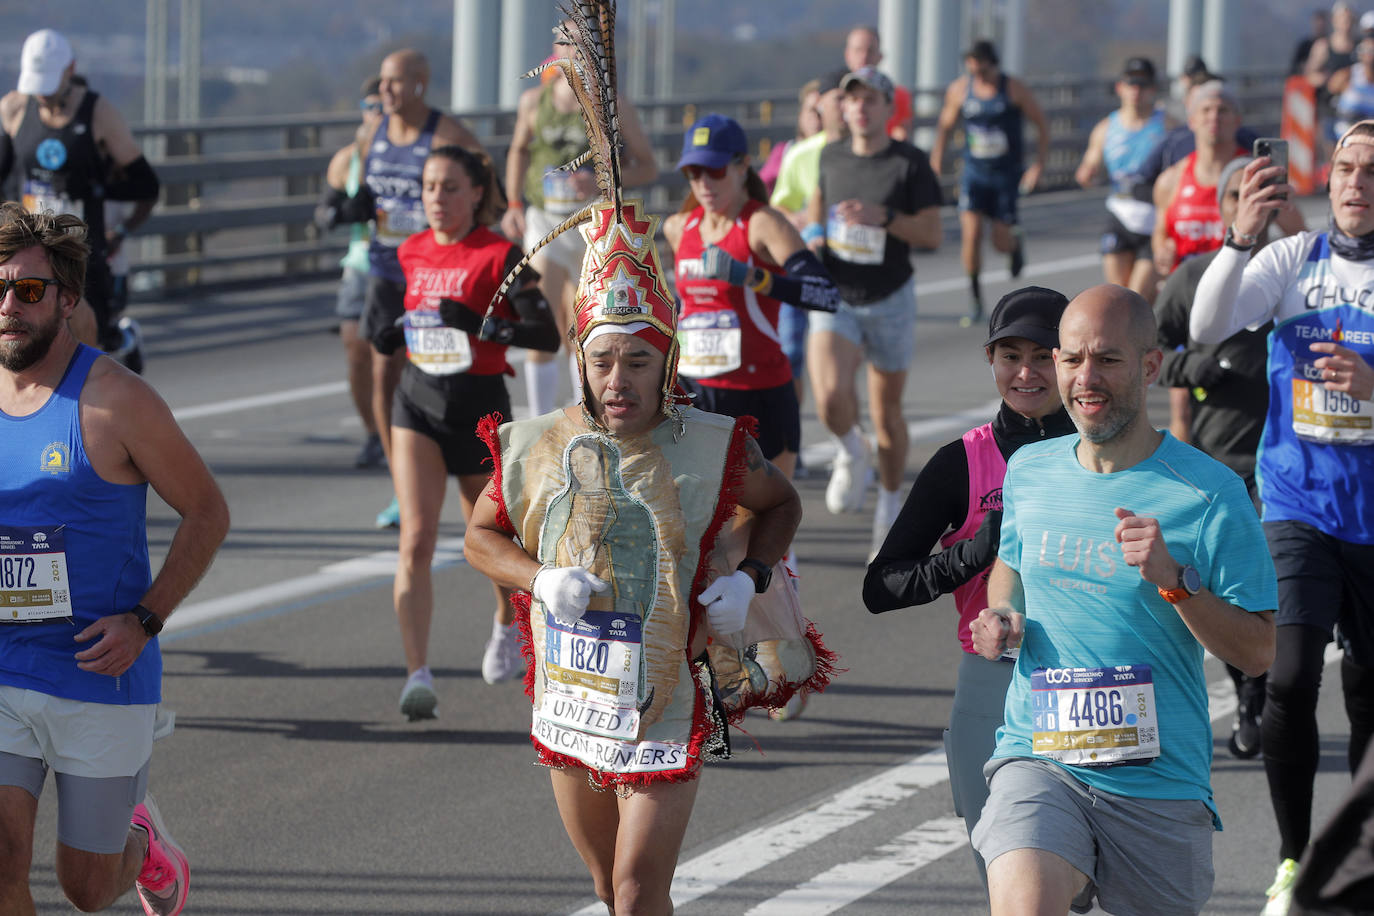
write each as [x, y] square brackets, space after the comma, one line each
[1117, 420]
[18, 355]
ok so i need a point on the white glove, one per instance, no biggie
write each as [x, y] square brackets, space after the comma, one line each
[727, 601]
[565, 591]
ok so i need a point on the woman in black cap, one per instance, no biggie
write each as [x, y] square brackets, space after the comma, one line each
[957, 500]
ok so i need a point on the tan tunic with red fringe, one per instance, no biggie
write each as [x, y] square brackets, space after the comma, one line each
[618, 693]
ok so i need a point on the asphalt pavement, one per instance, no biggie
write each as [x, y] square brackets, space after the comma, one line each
[297, 788]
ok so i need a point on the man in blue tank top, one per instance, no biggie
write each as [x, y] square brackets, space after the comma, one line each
[80, 672]
[1124, 553]
[395, 149]
[1117, 146]
[993, 107]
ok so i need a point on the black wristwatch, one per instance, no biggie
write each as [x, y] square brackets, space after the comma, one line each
[1233, 240]
[764, 573]
[152, 624]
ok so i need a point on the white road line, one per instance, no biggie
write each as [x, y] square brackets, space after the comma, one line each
[261, 400]
[380, 565]
[819, 454]
[850, 881]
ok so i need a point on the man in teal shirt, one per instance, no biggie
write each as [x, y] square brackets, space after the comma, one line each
[1100, 780]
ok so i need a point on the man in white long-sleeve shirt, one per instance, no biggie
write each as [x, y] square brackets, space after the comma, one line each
[1316, 459]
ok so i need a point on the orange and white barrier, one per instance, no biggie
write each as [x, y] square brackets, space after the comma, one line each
[1299, 128]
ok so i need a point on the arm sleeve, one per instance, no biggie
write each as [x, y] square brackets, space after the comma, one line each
[905, 573]
[804, 283]
[1237, 291]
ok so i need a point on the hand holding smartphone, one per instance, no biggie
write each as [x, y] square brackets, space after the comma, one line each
[1277, 151]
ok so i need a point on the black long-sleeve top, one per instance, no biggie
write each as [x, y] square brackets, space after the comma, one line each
[905, 573]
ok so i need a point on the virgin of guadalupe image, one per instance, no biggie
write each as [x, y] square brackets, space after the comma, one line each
[596, 524]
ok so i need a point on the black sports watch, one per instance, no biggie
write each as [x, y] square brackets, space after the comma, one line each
[1234, 239]
[152, 624]
[763, 573]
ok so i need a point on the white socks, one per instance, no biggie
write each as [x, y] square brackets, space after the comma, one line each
[541, 386]
[852, 441]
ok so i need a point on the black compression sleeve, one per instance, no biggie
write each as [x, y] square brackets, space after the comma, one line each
[804, 283]
[136, 181]
[534, 329]
[904, 573]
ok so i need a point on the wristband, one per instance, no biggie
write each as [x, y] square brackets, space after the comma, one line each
[1239, 240]
[761, 282]
[515, 205]
[812, 232]
[542, 566]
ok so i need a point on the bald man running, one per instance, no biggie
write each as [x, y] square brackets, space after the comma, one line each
[1110, 668]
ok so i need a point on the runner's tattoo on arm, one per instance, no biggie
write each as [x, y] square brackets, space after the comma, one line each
[754, 460]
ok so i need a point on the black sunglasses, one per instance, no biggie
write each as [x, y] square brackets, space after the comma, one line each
[27, 289]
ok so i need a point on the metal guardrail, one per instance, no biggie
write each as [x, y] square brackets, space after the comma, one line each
[239, 193]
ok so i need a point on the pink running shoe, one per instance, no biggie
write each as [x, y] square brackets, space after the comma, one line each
[166, 874]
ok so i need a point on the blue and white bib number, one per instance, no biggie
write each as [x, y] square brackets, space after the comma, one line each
[710, 344]
[397, 224]
[1094, 716]
[434, 347]
[1332, 417]
[561, 196]
[592, 674]
[855, 243]
[37, 196]
[987, 142]
[33, 575]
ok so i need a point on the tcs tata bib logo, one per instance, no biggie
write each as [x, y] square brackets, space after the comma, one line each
[1058, 675]
[56, 458]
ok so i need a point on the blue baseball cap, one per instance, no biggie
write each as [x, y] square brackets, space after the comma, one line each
[713, 141]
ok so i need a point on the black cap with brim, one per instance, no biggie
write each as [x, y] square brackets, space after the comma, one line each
[1032, 312]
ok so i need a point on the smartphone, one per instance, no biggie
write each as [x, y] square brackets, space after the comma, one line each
[1277, 151]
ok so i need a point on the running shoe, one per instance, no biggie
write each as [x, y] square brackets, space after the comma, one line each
[975, 314]
[1281, 891]
[390, 517]
[371, 454]
[501, 659]
[1018, 259]
[849, 479]
[1245, 731]
[418, 700]
[166, 874]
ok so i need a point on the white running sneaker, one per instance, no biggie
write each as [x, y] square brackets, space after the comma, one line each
[849, 479]
[501, 659]
[1281, 891]
[418, 699]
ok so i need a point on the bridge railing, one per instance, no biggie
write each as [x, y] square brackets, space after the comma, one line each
[239, 193]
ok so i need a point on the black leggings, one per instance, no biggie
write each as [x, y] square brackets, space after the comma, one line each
[1289, 727]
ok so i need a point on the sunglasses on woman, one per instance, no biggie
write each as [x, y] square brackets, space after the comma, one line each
[694, 172]
[26, 289]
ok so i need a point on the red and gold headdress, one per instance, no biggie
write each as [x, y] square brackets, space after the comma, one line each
[622, 279]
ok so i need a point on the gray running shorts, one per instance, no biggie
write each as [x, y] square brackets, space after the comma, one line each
[92, 814]
[1143, 857]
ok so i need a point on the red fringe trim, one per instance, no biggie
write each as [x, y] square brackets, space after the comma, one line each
[732, 478]
[827, 668]
[489, 431]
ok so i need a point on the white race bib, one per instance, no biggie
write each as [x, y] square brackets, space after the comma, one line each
[1094, 716]
[855, 243]
[987, 142]
[396, 225]
[710, 343]
[592, 672]
[33, 575]
[560, 193]
[434, 347]
[1137, 216]
[39, 195]
[1329, 416]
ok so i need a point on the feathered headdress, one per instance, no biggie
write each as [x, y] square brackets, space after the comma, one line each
[622, 279]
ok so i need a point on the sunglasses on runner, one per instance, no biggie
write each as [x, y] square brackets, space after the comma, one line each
[374, 107]
[26, 289]
[694, 172]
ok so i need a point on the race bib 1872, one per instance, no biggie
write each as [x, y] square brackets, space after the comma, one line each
[33, 575]
[1094, 716]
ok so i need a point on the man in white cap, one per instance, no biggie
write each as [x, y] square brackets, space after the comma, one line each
[72, 152]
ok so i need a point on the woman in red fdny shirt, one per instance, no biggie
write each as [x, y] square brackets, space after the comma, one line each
[454, 375]
[728, 245]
